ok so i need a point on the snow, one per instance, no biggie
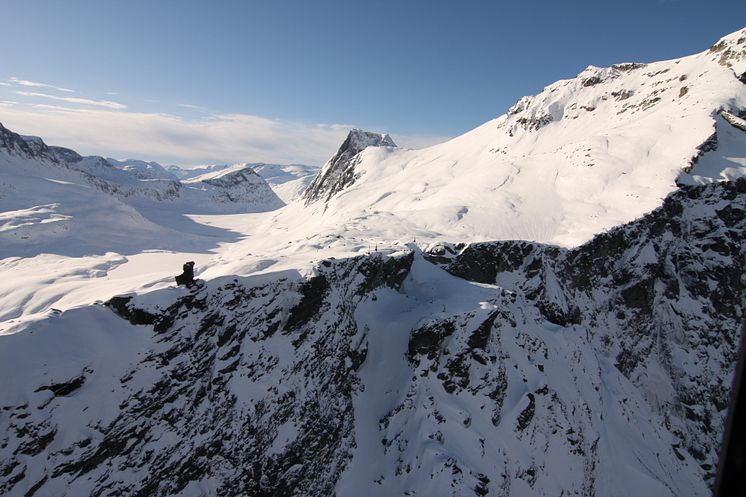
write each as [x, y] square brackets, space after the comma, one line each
[583, 156]
[579, 174]
[428, 292]
[287, 181]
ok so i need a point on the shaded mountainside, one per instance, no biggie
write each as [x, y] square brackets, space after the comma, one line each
[504, 368]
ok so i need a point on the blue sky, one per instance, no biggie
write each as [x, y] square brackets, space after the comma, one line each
[194, 82]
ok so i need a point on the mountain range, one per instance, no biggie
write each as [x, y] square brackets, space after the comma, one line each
[549, 304]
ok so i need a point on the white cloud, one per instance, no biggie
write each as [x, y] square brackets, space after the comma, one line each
[191, 106]
[75, 100]
[3, 83]
[36, 84]
[168, 138]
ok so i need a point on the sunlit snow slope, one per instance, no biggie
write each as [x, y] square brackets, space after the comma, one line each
[362, 363]
[70, 223]
[582, 156]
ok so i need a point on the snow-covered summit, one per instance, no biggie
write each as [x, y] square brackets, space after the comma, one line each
[730, 51]
[339, 171]
[580, 157]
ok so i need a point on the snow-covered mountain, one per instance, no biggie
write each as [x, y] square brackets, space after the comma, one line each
[584, 155]
[528, 370]
[384, 333]
[288, 181]
[52, 193]
[235, 185]
[339, 171]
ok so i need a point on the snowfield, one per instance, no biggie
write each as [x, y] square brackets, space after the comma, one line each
[583, 156]
[338, 295]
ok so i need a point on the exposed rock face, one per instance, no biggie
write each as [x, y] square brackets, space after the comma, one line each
[195, 409]
[663, 294]
[339, 172]
[596, 364]
[27, 147]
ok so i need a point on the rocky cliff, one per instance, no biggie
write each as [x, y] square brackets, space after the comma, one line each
[506, 368]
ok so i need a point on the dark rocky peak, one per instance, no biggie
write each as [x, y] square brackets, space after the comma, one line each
[730, 51]
[339, 171]
[358, 140]
[24, 146]
[65, 154]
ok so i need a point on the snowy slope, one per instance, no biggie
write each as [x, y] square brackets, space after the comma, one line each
[404, 373]
[288, 181]
[582, 156]
[327, 353]
[96, 226]
[43, 201]
[47, 193]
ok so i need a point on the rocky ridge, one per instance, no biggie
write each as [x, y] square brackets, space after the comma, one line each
[596, 364]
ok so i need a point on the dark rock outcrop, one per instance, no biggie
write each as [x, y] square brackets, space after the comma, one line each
[339, 172]
[250, 384]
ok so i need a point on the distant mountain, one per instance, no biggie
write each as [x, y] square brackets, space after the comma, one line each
[187, 173]
[238, 184]
[51, 195]
[288, 181]
[339, 171]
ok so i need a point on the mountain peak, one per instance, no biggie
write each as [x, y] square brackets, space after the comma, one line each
[339, 171]
[730, 51]
[359, 140]
[25, 146]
